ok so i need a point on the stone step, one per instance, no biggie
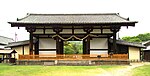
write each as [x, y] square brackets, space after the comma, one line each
[73, 62]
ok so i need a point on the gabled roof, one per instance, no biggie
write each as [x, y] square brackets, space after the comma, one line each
[5, 40]
[7, 51]
[19, 43]
[102, 18]
[122, 42]
[146, 43]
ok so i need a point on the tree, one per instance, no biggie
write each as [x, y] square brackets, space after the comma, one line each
[138, 38]
[132, 39]
[73, 47]
[144, 37]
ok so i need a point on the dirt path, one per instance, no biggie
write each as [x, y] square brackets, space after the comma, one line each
[123, 71]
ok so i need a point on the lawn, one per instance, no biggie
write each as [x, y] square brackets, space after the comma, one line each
[141, 71]
[37, 70]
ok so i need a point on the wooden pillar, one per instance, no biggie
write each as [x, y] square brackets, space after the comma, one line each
[88, 30]
[57, 30]
[114, 30]
[30, 30]
[57, 45]
[114, 41]
[36, 46]
[23, 50]
[61, 47]
[31, 43]
[88, 45]
[84, 47]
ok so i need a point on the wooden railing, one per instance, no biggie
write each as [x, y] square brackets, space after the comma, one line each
[75, 57]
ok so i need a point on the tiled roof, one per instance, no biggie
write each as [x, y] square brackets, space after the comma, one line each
[122, 42]
[102, 18]
[19, 43]
[146, 43]
[5, 40]
[7, 51]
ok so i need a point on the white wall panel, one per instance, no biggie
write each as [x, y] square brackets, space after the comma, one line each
[47, 43]
[49, 31]
[79, 31]
[99, 43]
[66, 31]
[96, 31]
[103, 53]
[38, 31]
[107, 31]
[47, 52]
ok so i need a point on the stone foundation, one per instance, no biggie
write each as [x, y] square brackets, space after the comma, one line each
[73, 62]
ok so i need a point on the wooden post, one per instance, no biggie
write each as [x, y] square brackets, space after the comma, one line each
[84, 47]
[57, 30]
[36, 46]
[114, 30]
[88, 30]
[31, 43]
[57, 45]
[114, 41]
[88, 45]
[31, 30]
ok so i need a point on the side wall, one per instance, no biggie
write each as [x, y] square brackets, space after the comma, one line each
[134, 53]
[19, 50]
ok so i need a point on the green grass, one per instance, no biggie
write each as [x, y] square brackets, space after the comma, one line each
[141, 71]
[37, 70]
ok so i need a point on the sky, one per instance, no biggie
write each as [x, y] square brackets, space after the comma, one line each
[136, 10]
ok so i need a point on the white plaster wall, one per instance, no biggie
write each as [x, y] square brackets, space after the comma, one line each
[47, 43]
[96, 31]
[107, 31]
[38, 31]
[49, 31]
[99, 31]
[134, 53]
[66, 31]
[103, 53]
[47, 52]
[99, 43]
[79, 31]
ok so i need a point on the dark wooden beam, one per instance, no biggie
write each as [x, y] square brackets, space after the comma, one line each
[71, 24]
[36, 46]
[88, 45]
[47, 49]
[31, 30]
[31, 43]
[98, 49]
[23, 50]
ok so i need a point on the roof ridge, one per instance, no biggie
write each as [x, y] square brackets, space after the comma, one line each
[75, 14]
[18, 41]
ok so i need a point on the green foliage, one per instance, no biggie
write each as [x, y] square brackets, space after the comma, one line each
[131, 39]
[144, 37]
[138, 38]
[73, 47]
